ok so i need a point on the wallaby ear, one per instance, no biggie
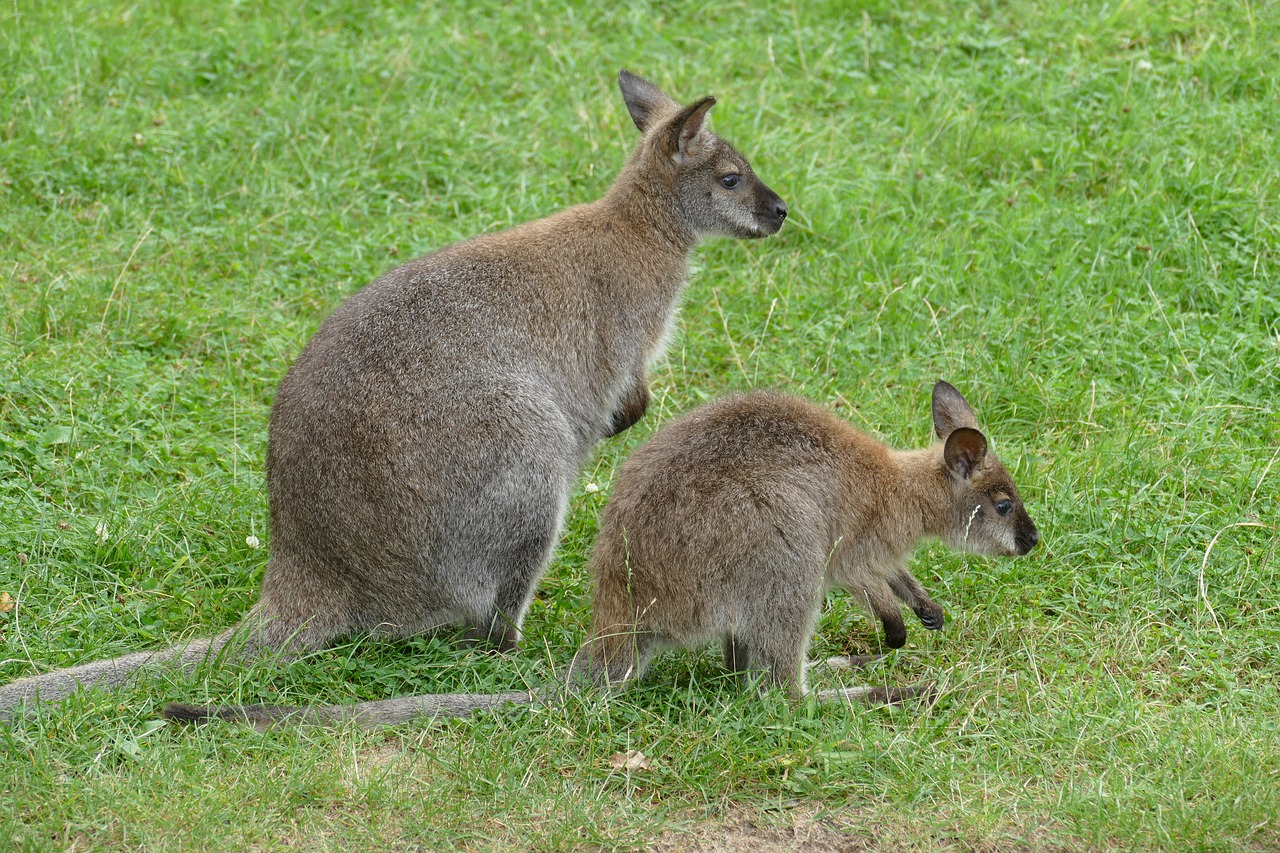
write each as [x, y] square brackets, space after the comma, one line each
[950, 410]
[964, 451]
[645, 101]
[676, 139]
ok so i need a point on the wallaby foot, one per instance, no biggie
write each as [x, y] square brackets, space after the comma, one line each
[611, 658]
[521, 532]
[748, 666]
[501, 638]
[737, 656]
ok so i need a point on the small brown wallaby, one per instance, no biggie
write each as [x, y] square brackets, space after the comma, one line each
[423, 445]
[730, 525]
[733, 522]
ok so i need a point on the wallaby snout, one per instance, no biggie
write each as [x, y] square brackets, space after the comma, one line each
[772, 211]
[1027, 538]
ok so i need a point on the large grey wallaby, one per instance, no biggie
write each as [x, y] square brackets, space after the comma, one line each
[731, 524]
[423, 445]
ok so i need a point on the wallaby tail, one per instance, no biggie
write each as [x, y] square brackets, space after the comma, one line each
[109, 674]
[925, 691]
[384, 712]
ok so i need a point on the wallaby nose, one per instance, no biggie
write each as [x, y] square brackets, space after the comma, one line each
[1027, 540]
[780, 209]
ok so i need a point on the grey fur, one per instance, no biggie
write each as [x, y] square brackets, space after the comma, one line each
[423, 444]
[731, 523]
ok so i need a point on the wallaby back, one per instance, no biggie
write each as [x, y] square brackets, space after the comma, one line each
[422, 446]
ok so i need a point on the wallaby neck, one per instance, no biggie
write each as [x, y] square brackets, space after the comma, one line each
[923, 491]
[650, 204]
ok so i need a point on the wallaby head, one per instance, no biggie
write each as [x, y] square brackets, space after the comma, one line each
[987, 516]
[717, 192]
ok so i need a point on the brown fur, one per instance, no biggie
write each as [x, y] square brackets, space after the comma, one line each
[734, 520]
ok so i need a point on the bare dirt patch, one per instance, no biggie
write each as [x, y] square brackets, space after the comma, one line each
[810, 831]
[744, 834]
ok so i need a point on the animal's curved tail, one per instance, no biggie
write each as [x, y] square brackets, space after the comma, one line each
[107, 674]
[383, 712]
[587, 672]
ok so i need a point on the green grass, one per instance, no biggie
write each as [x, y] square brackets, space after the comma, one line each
[1069, 211]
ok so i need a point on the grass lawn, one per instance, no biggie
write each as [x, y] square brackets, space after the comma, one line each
[1070, 211]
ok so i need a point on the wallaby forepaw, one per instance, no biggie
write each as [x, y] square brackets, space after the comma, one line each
[490, 642]
[931, 617]
[895, 634]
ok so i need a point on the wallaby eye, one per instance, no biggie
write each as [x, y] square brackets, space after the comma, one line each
[1004, 507]
[730, 181]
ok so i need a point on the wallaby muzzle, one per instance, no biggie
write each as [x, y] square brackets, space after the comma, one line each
[1027, 539]
[771, 212]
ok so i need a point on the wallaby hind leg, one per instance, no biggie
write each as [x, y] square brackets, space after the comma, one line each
[747, 665]
[786, 670]
[774, 652]
[500, 626]
[737, 655]
[303, 607]
[906, 587]
[517, 550]
[285, 632]
[738, 659]
[504, 535]
[613, 657]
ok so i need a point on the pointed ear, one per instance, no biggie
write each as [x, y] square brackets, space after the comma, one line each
[950, 410]
[675, 139]
[645, 101]
[964, 451]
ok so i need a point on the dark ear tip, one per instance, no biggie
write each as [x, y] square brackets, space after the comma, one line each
[942, 386]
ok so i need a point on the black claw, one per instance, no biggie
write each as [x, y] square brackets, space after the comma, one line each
[932, 619]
